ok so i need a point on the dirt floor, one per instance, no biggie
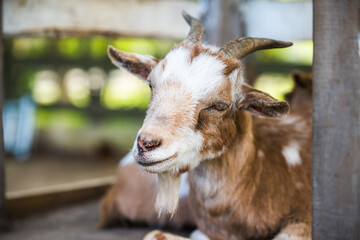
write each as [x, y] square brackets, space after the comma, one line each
[77, 222]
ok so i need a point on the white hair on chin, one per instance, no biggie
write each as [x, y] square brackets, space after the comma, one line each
[167, 197]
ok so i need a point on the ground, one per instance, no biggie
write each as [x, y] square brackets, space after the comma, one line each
[78, 222]
[75, 222]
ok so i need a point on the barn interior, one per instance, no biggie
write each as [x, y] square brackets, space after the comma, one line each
[70, 116]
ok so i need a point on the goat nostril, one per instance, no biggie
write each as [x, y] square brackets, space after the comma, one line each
[151, 144]
[140, 145]
[147, 145]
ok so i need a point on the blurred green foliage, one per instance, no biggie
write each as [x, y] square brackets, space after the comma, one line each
[113, 97]
[73, 48]
[28, 58]
[60, 118]
[275, 84]
[299, 53]
[31, 48]
[98, 47]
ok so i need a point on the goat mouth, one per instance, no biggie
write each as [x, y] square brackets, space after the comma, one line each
[149, 164]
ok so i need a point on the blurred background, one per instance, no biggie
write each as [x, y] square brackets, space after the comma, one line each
[69, 110]
[70, 115]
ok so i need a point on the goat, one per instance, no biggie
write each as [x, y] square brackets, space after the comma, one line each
[250, 173]
[301, 95]
[130, 200]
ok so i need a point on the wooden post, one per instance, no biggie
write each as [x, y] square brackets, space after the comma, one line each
[3, 217]
[222, 21]
[336, 126]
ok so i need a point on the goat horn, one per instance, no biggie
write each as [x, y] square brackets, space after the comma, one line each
[197, 29]
[241, 47]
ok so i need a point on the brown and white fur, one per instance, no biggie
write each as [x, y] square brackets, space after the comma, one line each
[131, 199]
[250, 173]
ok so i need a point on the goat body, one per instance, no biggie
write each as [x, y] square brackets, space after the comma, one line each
[250, 172]
[260, 185]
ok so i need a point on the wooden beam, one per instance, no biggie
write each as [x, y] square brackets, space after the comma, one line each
[222, 21]
[135, 18]
[33, 201]
[336, 126]
[159, 19]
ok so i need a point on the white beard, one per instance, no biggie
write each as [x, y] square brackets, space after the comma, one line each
[167, 197]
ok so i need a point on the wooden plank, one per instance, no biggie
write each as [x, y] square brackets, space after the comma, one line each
[336, 126]
[4, 224]
[136, 18]
[222, 21]
[160, 19]
[33, 201]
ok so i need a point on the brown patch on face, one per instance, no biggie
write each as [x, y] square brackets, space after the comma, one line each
[231, 65]
[182, 44]
[217, 127]
[195, 52]
[163, 65]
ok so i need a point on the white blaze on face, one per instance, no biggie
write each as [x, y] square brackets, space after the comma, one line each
[200, 77]
[291, 154]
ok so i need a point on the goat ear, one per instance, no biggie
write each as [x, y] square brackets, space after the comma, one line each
[140, 65]
[261, 104]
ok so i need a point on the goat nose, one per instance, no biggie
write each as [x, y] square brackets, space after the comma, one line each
[145, 145]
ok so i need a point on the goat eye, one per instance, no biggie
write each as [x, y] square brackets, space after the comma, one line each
[220, 106]
[150, 86]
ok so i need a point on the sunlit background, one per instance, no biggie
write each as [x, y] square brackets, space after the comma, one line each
[64, 96]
